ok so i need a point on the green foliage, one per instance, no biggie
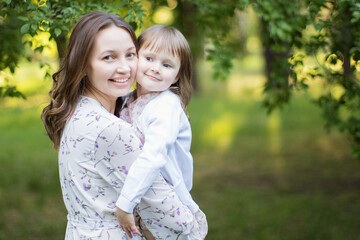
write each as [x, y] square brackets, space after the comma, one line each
[221, 56]
[338, 39]
[11, 48]
[281, 29]
[336, 35]
[19, 18]
[316, 27]
[216, 20]
[289, 32]
[10, 91]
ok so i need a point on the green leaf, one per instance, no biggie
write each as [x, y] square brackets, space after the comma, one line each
[7, 1]
[11, 91]
[40, 49]
[34, 27]
[25, 28]
[22, 18]
[356, 56]
[134, 25]
[57, 32]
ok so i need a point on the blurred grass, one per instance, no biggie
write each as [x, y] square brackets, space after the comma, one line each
[256, 176]
[288, 180]
[31, 204]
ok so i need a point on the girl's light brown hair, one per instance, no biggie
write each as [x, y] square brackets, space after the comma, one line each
[164, 38]
[70, 81]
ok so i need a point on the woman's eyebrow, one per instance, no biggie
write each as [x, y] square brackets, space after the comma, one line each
[114, 51]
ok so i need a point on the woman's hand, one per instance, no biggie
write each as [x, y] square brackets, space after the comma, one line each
[127, 222]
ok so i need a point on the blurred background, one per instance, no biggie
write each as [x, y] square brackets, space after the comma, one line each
[275, 113]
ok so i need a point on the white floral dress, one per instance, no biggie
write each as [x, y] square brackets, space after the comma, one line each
[96, 152]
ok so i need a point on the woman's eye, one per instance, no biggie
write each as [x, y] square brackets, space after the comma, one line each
[108, 58]
[150, 59]
[130, 55]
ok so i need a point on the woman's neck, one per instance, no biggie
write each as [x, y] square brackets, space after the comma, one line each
[105, 102]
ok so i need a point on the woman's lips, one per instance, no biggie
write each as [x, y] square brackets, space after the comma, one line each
[120, 80]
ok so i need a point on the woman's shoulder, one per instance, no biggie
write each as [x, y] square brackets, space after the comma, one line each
[117, 132]
[92, 108]
[93, 115]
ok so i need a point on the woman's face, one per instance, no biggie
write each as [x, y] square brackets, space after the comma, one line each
[112, 65]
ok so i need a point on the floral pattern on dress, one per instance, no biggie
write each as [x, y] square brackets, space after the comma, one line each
[91, 183]
[133, 109]
[96, 152]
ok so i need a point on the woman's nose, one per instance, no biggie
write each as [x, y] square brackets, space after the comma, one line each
[122, 67]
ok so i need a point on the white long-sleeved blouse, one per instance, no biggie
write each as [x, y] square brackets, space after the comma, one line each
[159, 117]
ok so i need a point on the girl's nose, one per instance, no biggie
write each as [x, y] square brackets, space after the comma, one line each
[155, 69]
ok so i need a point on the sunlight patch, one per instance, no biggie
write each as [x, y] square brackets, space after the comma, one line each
[221, 132]
[275, 143]
[245, 86]
[273, 129]
[163, 15]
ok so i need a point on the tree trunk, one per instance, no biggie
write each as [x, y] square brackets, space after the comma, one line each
[277, 70]
[347, 41]
[276, 62]
[185, 16]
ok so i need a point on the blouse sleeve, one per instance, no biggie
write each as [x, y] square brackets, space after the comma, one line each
[116, 148]
[185, 197]
[160, 128]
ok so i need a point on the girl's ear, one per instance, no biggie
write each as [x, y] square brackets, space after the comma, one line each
[176, 79]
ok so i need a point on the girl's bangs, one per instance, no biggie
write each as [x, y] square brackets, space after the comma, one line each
[158, 44]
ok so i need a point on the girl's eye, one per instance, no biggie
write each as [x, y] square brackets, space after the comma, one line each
[150, 59]
[167, 65]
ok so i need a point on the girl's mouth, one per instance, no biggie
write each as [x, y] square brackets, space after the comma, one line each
[152, 77]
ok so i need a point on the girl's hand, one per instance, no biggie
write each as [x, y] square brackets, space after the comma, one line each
[127, 222]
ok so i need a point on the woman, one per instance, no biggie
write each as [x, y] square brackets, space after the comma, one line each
[96, 149]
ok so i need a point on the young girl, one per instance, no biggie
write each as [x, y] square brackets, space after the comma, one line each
[156, 109]
[96, 148]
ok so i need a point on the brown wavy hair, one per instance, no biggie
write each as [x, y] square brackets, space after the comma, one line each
[159, 38]
[70, 82]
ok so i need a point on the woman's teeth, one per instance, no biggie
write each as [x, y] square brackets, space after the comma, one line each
[120, 80]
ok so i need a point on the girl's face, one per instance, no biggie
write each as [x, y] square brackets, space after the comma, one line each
[156, 71]
[111, 66]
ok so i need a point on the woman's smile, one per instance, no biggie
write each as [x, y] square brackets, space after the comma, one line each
[120, 79]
